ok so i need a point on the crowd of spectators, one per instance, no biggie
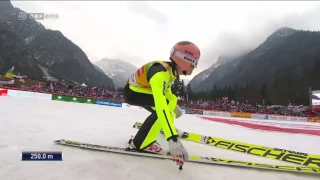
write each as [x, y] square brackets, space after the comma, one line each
[232, 106]
[56, 87]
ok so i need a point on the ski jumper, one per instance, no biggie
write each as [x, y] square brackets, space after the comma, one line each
[150, 88]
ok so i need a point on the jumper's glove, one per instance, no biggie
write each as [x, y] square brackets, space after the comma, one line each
[173, 115]
[177, 112]
[178, 153]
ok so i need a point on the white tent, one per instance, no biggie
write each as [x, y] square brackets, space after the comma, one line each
[83, 85]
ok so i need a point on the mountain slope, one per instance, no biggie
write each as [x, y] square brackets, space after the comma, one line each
[14, 53]
[261, 64]
[216, 71]
[31, 45]
[285, 53]
[98, 68]
[280, 70]
[118, 70]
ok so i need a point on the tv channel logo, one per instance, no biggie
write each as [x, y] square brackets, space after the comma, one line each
[22, 16]
[37, 16]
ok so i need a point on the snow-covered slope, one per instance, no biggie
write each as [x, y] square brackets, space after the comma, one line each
[118, 70]
[113, 126]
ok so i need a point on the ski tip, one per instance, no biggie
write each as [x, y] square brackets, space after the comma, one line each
[58, 140]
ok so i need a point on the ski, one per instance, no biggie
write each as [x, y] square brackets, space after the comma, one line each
[192, 159]
[301, 158]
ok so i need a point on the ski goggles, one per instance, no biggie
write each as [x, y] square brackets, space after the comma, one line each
[192, 61]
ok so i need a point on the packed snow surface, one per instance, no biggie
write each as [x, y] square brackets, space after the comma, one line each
[32, 125]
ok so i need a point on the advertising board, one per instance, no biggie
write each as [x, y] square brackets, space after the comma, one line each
[57, 97]
[241, 115]
[109, 103]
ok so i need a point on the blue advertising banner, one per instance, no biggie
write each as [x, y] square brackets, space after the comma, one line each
[259, 116]
[193, 111]
[183, 111]
[109, 103]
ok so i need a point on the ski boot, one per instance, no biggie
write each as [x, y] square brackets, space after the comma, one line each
[154, 148]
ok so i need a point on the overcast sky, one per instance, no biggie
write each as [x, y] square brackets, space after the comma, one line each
[139, 32]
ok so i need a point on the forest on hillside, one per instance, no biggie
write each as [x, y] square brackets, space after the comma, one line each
[279, 91]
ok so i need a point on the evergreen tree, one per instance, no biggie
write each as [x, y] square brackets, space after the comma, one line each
[175, 87]
[264, 91]
[182, 89]
[178, 87]
[120, 89]
[189, 91]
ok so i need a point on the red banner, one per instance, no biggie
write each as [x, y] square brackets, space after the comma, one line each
[3, 92]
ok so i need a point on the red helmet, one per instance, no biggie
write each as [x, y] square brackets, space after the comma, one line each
[185, 54]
